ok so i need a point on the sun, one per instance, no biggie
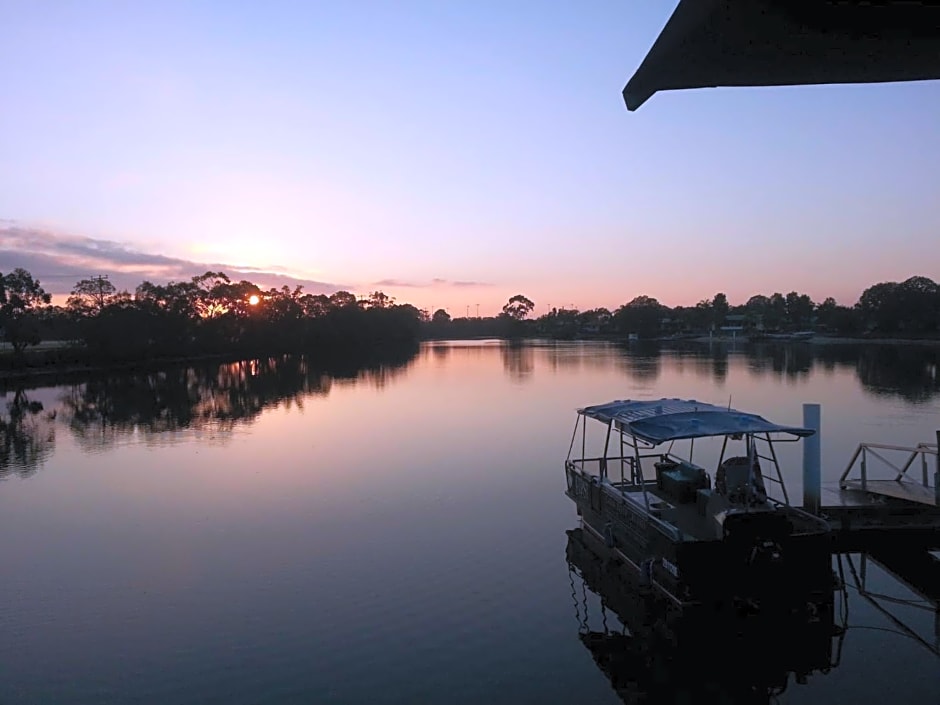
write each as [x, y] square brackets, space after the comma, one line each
[253, 300]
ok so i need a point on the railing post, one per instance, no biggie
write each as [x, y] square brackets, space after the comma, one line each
[864, 468]
[812, 473]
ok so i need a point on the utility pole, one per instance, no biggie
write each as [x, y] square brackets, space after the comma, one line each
[468, 310]
[478, 310]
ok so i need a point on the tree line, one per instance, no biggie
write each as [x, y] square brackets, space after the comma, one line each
[208, 315]
[211, 314]
[910, 309]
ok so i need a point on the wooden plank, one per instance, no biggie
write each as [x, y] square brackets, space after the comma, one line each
[899, 489]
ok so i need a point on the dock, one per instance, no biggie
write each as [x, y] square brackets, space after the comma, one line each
[886, 504]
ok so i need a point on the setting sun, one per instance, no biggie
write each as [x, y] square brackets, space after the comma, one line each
[253, 299]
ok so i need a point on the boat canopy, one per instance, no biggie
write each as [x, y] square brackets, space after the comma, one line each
[675, 419]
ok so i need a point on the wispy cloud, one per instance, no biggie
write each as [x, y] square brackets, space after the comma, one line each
[60, 260]
[436, 282]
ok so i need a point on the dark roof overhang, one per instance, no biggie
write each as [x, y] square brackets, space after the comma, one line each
[711, 43]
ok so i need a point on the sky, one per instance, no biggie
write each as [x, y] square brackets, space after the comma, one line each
[450, 154]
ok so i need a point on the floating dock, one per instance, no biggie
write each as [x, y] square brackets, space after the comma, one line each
[887, 500]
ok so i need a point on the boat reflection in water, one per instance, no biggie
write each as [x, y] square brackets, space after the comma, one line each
[653, 652]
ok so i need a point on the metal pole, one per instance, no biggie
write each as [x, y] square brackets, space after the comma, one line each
[936, 475]
[606, 445]
[812, 460]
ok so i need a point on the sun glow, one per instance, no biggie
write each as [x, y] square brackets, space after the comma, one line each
[253, 300]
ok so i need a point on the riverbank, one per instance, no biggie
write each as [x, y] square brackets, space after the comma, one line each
[815, 340]
[63, 362]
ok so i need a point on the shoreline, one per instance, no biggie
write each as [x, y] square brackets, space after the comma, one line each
[815, 340]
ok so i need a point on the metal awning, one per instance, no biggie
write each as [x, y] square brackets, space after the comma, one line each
[674, 419]
[711, 43]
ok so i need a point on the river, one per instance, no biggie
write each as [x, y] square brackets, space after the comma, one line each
[270, 532]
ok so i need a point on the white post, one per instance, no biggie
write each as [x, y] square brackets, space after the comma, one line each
[812, 460]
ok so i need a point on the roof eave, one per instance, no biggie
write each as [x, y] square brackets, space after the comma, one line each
[713, 43]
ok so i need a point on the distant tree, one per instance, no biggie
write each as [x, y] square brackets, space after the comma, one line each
[212, 294]
[920, 305]
[20, 297]
[343, 298]
[720, 309]
[799, 308]
[879, 306]
[776, 314]
[826, 313]
[90, 296]
[518, 307]
[315, 305]
[440, 316]
[378, 299]
[643, 316]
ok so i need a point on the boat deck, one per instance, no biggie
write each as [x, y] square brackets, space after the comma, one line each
[688, 517]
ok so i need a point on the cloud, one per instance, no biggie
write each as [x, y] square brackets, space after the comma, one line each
[58, 261]
[436, 282]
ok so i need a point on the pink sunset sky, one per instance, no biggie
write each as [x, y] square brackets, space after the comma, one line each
[451, 156]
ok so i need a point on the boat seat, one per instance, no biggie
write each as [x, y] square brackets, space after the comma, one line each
[731, 480]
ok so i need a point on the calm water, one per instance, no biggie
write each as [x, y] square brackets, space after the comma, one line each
[264, 532]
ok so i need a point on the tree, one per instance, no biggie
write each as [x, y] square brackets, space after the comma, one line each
[879, 306]
[20, 296]
[643, 316]
[799, 309]
[720, 309]
[518, 307]
[378, 299]
[211, 293]
[440, 316]
[90, 296]
[342, 299]
[776, 313]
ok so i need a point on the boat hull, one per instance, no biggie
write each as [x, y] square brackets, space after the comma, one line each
[757, 565]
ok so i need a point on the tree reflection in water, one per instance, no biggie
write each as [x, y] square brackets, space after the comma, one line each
[207, 397]
[518, 360]
[27, 436]
[909, 372]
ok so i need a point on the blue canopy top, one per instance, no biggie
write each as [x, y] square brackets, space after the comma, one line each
[674, 419]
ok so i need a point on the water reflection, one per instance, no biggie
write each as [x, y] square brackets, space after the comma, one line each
[641, 361]
[909, 372]
[652, 654]
[106, 408]
[27, 435]
[518, 360]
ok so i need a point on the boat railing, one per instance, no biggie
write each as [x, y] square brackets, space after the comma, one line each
[903, 472]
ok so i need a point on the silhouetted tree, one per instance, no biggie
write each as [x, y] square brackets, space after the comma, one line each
[90, 296]
[642, 316]
[20, 297]
[518, 307]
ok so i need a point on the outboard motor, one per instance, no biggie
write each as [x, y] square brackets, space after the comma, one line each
[756, 548]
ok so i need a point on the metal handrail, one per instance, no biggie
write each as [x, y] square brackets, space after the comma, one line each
[921, 450]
